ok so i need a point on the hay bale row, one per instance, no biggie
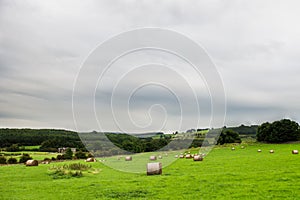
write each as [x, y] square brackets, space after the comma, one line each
[32, 163]
[188, 156]
[198, 158]
[152, 158]
[90, 160]
[271, 151]
[154, 168]
[128, 158]
[295, 151]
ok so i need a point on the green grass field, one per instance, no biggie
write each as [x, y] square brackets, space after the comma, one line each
[224, 174]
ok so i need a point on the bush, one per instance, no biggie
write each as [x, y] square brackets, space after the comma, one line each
[12, 160]
[68, 171]
[90, 155]
[24, 158]
[60, 157]
[2, 160]
[68, 154]
[53, 158]
[80, 155]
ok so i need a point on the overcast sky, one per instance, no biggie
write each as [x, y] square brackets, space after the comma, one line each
[254, 44]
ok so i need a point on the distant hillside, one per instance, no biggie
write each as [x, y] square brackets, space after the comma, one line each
[245, 131]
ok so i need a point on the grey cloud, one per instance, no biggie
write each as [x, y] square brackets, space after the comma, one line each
[255, 45]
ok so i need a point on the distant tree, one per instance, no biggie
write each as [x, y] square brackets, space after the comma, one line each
[12, 160]
[13, 148]
[68, 154]
[24, 158]
[2, 160]
[229, 136]
[279, 131]
[80, 155]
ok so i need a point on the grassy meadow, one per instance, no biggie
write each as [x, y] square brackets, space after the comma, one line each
[224, 174]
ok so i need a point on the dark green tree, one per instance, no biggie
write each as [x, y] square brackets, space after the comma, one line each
[68, 154]
[229, 136]
[2, 160]
[24, 158]
[279, 131]
[12, 160]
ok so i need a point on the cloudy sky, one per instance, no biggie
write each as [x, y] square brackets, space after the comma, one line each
[255, 46]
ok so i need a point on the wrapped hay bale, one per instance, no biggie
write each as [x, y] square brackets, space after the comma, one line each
[128, 158]
[198, 158]
[188, 156]
[152, 158]
[259, 150]
[232, 148]
[271, 151]
[242, 147]
[181, 156]
[154, 168]
[32, 163]
[90, 160]
[176, 156]
[159, 157]
[295, 152]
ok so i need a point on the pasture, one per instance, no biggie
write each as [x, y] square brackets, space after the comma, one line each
[223, 174]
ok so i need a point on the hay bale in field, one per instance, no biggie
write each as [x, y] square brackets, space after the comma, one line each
[46, 162]
[128, 158]
[90, 160]
[198, 158]
[232, 148]
[181, 156]
[295, 151]
[154, 168]
[271, 151]
[152, 158]
[242, 147]
[159, 157]
[188, 156]
[259, 150]
[32, 163]
[176, 156]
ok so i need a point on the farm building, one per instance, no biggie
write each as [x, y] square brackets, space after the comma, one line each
[64, 149]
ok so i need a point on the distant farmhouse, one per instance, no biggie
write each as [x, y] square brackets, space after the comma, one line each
[64, 149]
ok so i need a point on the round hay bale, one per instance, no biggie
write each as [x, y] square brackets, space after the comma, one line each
[176, 156]
[232, 148]
[90, 160]
[259, 150]
[181, 156]
[188, 156]
[271, 151]
[32, 163]
[152, 158]
[159, 157]
[128, 158]
[242, 147]
[154, 168]
[198, 158]
[295, 152]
